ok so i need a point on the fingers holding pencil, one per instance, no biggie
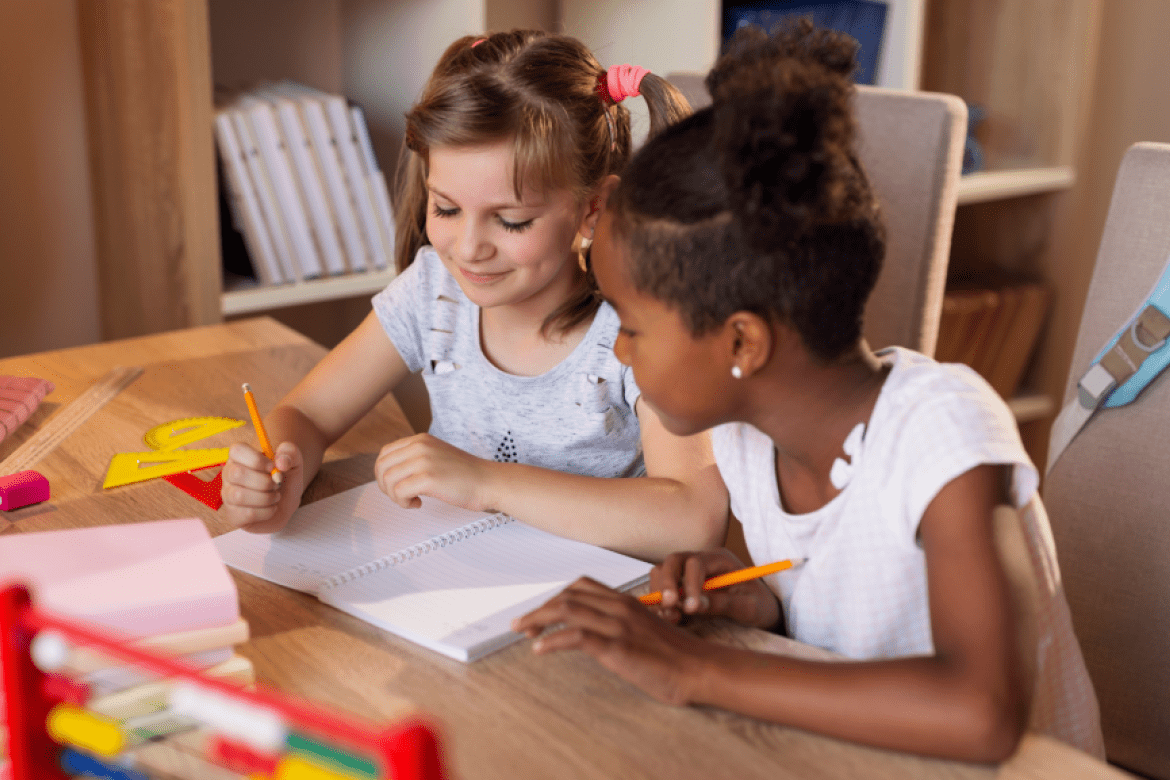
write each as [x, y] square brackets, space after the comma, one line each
[714, 582]
[251, 500]
[727, 579]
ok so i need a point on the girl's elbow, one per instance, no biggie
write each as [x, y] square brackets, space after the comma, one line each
[996, 725]
[714, 529]
[705, 524]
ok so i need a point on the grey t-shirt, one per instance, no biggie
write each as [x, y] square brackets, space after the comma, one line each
[578, 417]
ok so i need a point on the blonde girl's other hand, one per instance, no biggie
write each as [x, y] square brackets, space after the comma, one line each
[422, 465]
[680, 578]
[252, 500]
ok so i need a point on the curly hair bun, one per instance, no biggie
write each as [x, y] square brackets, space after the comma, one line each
[784, 129]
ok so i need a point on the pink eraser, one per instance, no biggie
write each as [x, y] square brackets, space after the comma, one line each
[23, 488]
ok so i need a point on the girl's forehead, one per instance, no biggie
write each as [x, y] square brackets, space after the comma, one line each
[486, 172]
[491, 163]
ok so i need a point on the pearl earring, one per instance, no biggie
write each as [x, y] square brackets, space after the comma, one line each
[737, 372]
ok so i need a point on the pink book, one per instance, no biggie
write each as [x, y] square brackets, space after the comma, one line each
[140, 579]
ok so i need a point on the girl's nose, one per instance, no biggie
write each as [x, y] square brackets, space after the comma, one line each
[472, 245]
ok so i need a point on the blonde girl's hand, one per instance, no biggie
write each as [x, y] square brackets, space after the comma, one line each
[624, 636]
[251, 498]
[422, 465]
[680, 578]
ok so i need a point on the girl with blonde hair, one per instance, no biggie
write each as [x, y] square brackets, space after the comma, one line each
[510, 154]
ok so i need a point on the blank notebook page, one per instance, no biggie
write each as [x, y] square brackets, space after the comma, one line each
[336, 534]
[444, 577]
[459, 599]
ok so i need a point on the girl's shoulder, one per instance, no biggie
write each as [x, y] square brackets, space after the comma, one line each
[916, 380]
[596, 358]
[606, 322]
[601, 337]
[943, 418]
[739, 442]
[425, 280]
[431, 267]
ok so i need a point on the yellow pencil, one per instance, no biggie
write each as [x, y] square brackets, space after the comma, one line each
[731, 578]
[261, 434]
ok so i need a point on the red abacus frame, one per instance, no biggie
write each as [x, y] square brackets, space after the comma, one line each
[405, 751]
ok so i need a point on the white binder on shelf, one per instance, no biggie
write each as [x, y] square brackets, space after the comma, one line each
[244, 203]
[275, 156]
[309, 180]
[375, 180]
[329, 159]
[264, 195]
[348, 148]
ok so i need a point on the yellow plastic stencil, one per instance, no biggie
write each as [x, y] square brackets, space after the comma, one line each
[180, 433]
[128, 467]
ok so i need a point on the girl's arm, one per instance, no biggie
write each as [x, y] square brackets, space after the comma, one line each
[336, 393]
[967, 701]
[681, 503]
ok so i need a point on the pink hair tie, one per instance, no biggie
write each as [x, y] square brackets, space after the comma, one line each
[623, 81]
[478, 42]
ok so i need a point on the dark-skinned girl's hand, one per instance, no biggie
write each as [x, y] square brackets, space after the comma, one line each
[680, 578]
[624, 636]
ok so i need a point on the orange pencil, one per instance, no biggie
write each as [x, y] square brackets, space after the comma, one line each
[731, 578]
[261, 434]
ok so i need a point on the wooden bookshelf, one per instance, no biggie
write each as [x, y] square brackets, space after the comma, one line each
[1030, 407]
[149, 71]
[984, 186]
[246, 297]
[1029, 65]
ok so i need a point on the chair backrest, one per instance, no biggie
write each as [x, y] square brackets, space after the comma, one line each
[1108, 494]
[1063, 704]
[911, 145]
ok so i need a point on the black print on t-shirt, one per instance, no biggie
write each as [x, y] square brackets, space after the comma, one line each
[506, 451]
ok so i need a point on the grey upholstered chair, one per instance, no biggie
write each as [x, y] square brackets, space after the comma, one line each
[1108, 494]
[911, 145]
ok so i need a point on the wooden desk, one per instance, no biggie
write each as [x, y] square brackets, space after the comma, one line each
[510, 715]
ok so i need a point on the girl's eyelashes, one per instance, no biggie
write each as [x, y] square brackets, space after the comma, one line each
[515, 227]
[511, 227]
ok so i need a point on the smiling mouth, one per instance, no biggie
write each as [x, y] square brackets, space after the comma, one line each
[479, 278]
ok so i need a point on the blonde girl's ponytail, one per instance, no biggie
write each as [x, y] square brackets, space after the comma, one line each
[665, 103]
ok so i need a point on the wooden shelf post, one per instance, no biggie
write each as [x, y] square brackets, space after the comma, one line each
[147, 80]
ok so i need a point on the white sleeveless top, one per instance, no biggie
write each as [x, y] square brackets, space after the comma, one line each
[863, 592]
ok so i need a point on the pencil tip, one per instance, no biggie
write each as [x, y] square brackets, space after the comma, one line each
[246, 388]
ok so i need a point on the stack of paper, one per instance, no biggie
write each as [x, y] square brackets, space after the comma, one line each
[303, 184]
[159, 585]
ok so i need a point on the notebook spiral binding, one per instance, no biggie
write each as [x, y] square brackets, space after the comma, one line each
[420, 549]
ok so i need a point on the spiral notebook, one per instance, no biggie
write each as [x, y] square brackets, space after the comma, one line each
[443, 577]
